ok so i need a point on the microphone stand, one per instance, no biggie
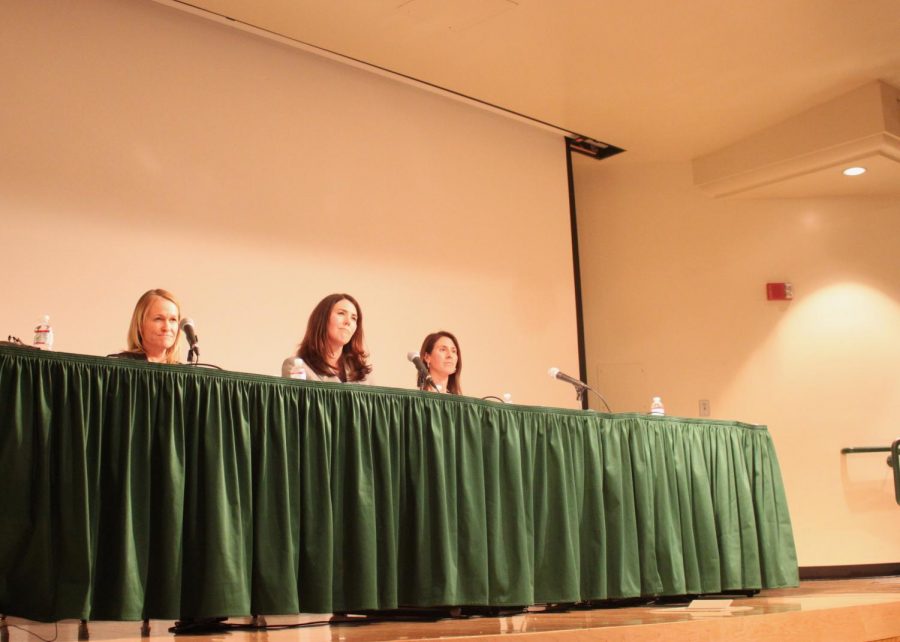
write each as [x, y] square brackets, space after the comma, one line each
[193, 358]
[425, 380]
[581, 389]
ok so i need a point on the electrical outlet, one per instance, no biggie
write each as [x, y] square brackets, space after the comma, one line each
[704, 407]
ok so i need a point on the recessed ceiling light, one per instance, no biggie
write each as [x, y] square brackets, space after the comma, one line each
[854, 171]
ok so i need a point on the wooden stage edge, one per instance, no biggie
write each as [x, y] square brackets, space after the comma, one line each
[846, 610]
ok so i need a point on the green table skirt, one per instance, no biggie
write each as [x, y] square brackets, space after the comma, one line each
[132, 490]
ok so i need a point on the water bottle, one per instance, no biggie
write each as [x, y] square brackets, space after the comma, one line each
[43, 334]
[298, 369]
[656, 407]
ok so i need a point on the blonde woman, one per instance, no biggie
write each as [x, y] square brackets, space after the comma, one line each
[154, 334]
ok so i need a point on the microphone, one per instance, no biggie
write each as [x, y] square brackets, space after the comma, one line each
[580, 386]
[424, 375]
[556, 374]
[187, 326]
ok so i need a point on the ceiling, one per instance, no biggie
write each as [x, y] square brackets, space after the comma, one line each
[667, 81]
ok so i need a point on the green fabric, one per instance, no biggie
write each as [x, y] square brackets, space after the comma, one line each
[133, 490]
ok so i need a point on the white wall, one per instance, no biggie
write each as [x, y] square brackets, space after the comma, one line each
[145, 147]
[675, 305]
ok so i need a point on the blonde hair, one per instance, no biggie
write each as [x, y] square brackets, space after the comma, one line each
[135, 342]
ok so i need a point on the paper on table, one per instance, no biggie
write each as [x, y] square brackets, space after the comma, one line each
[705, 608]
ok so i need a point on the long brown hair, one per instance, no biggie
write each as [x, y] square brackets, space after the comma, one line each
[454, 383]
[135, 340]
[314, 347]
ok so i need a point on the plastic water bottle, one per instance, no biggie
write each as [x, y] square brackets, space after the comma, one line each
[298, 369]
[656, 407]
[43, 334]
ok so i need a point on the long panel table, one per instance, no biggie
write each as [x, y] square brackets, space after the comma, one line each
[132, 490]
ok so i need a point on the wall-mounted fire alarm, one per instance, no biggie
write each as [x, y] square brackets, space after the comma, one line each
[779, 291]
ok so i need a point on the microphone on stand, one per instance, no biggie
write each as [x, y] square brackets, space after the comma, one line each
[190, 333]
[580, 386]
[424, 375]
[556, 374]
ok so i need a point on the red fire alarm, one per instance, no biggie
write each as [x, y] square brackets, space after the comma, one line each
[779, 291]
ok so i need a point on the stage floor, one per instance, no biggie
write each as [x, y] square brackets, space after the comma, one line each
[846, 610]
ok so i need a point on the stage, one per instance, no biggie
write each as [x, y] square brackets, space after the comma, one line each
[845, 610]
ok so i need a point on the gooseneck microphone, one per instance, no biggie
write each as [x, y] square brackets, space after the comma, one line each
[424, 374]
[556, 374]
[580, 386]
[190, 333]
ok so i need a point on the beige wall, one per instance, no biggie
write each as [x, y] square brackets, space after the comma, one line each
[145, 147]
[674, 290]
